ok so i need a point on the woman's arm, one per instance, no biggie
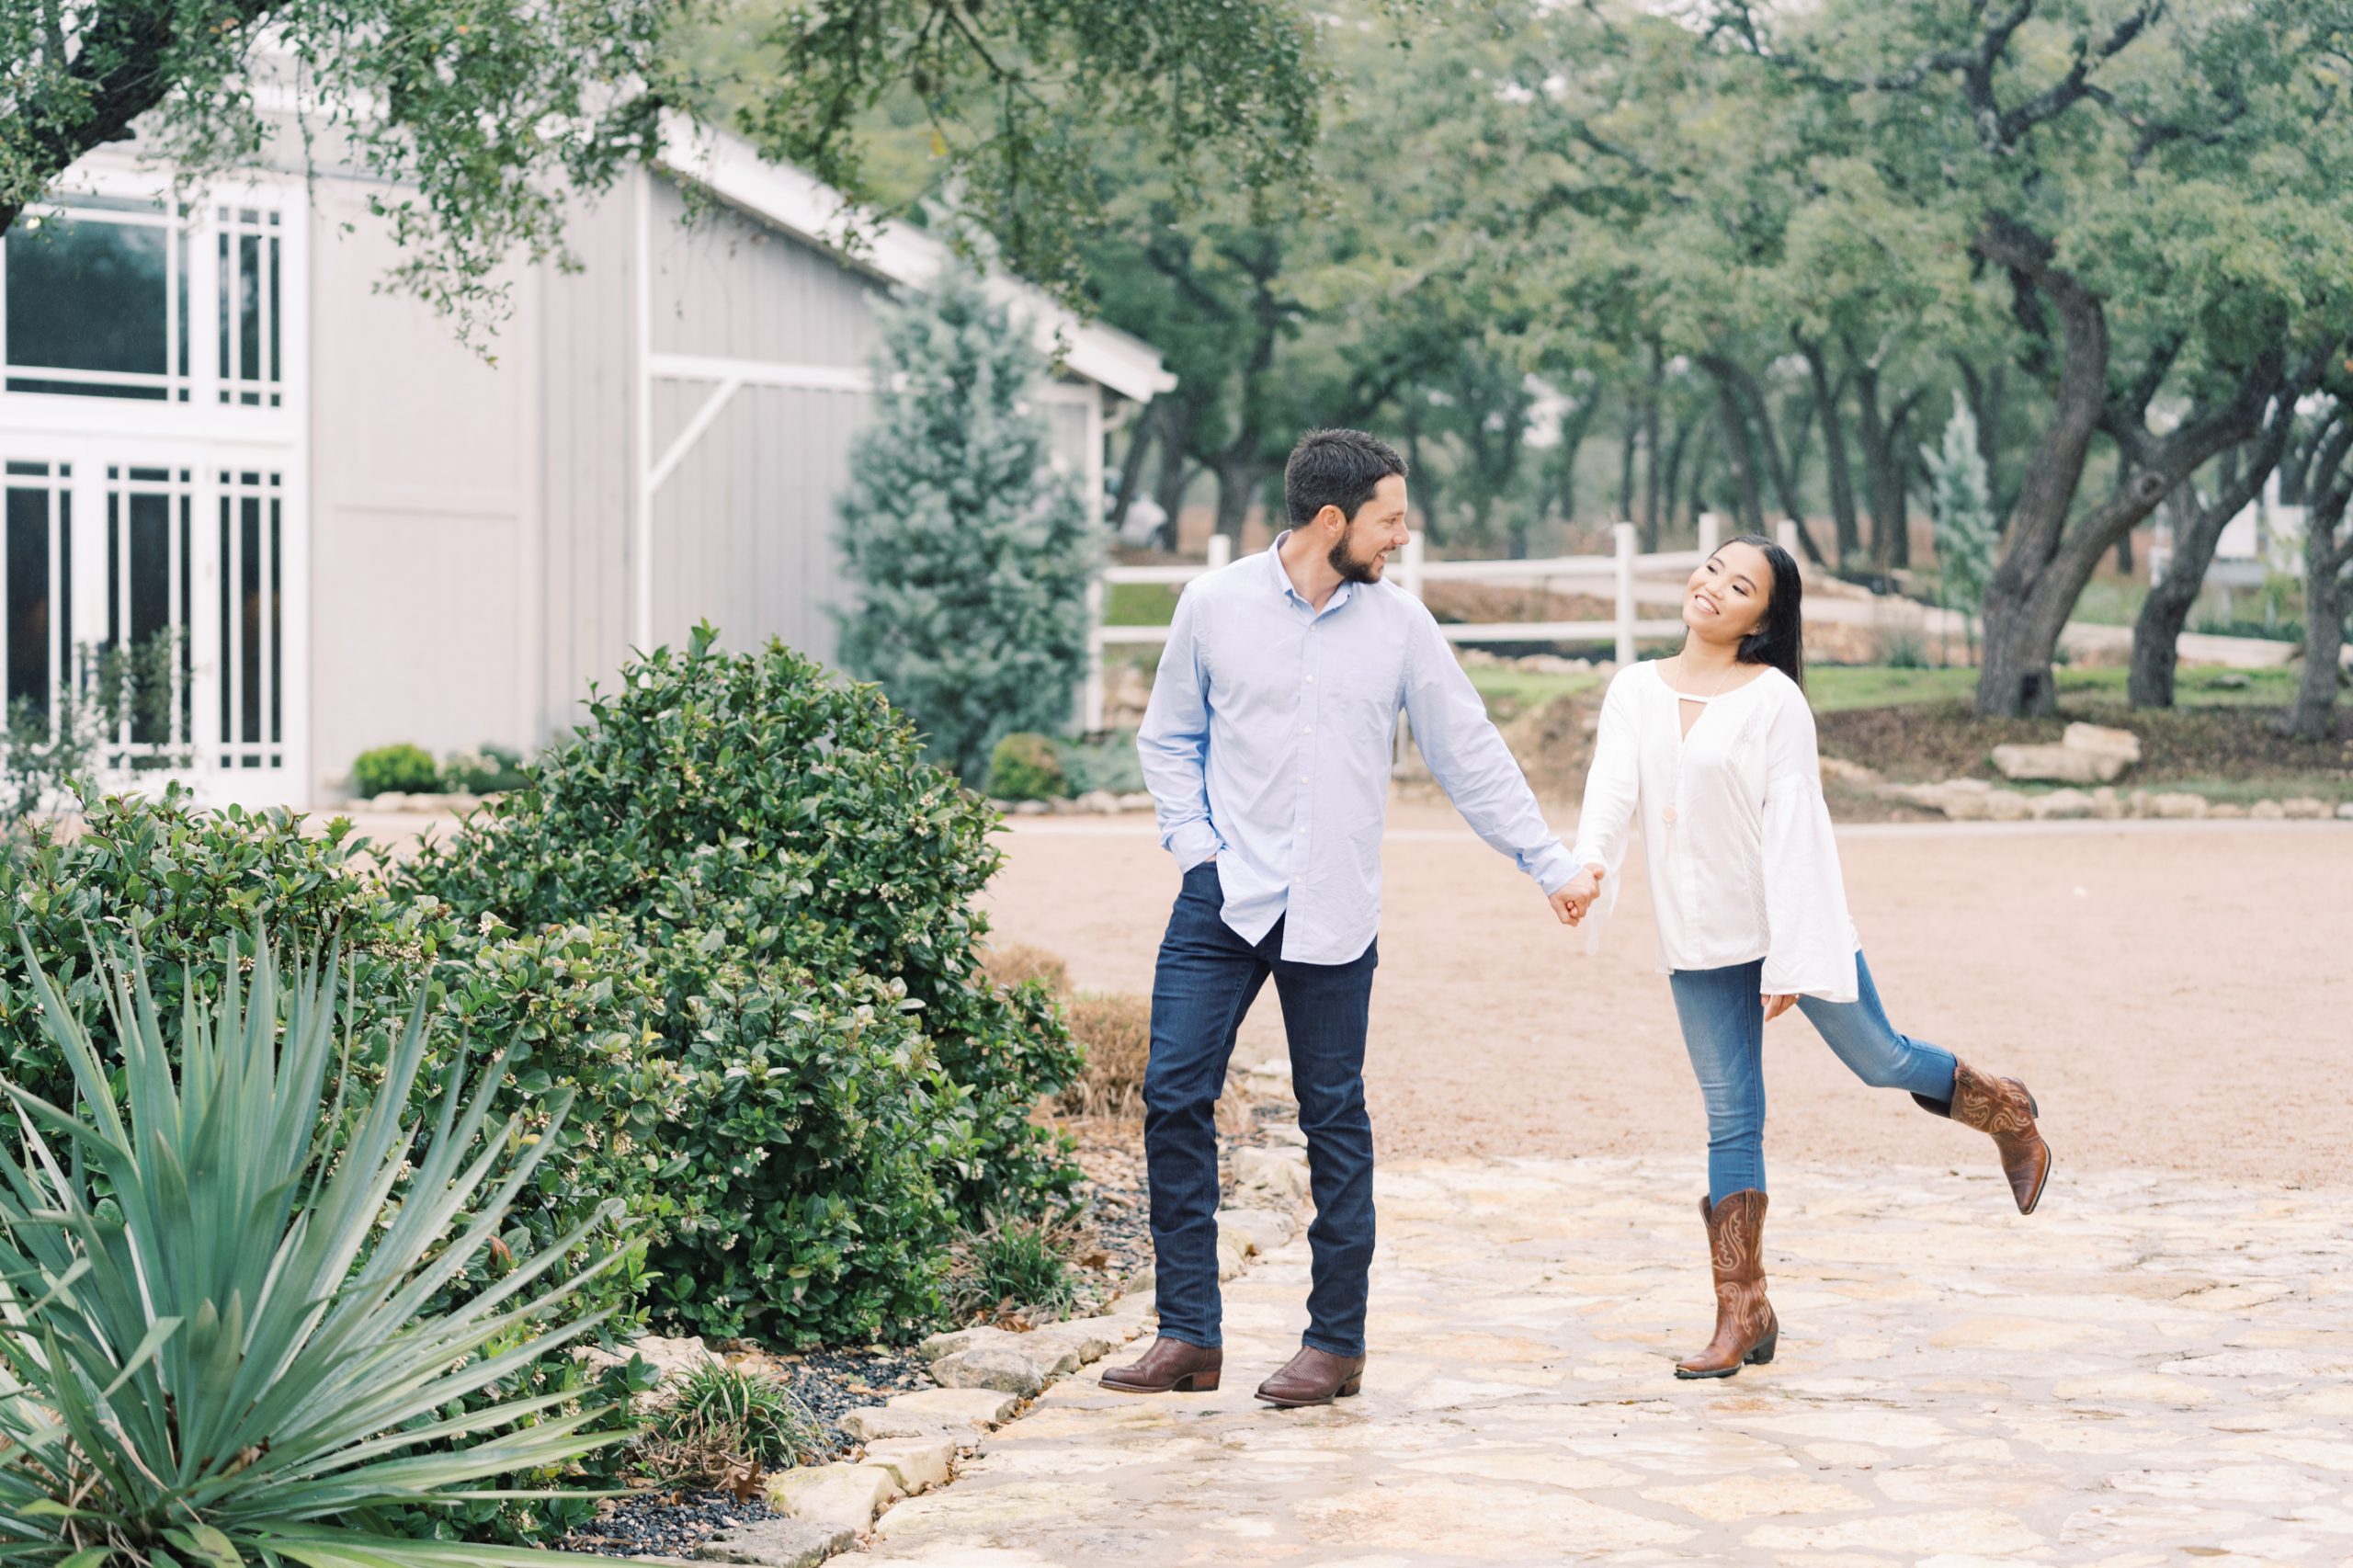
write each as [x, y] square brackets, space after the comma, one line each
[1810, 939]
[1613, 788]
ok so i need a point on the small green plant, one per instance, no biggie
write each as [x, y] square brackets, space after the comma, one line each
[1108, 763]
[492, 770]
[124, 694]
[221, 1339]
[407, 769]
[722, 1420]
[1012, 1265]
[1026, 767]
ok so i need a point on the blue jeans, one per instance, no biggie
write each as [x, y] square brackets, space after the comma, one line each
[1207, 979]
[1724, 1029]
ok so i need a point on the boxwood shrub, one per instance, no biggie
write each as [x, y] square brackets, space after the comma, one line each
[801, 886]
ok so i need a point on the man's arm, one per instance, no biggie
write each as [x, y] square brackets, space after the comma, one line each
[1173, 742]
[1469, 759]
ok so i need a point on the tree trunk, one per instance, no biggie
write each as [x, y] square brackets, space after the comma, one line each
[1742, 460]
[1574, 425]
[1239, 480]
[2328, 550]
[1840, 478]
[1881, 434]
[1677, 448]
[1740, 386]
[1653, 462]
[1629, 440]
[1131, 469]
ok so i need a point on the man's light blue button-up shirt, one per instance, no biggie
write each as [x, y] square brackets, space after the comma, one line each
[1266, 744]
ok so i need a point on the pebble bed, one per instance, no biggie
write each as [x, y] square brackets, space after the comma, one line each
[664, 1524]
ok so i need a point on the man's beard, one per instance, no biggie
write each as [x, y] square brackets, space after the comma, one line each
[1350, 569]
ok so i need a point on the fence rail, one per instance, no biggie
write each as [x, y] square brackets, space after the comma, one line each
[1619, 569]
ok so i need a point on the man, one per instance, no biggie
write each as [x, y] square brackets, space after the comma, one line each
[1267, 745]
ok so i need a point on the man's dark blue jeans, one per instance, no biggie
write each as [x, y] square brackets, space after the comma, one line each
[1207, 979]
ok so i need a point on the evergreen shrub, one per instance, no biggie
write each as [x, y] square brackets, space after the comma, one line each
[1026, 767]
[404, 769]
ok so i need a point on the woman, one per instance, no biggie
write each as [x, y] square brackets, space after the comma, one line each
[1714, 750]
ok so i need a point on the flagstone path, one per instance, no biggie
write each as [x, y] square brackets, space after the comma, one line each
[2147, 1371]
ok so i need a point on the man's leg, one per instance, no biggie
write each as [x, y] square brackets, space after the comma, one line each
[1206, 981]
[1325, 1012]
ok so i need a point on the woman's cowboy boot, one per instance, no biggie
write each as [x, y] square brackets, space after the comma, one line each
[2002, 1107]
[1746, 1330]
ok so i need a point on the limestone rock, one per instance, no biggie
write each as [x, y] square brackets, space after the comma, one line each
[2104, 805]
[778, 1544]
[1265, 1228]
[878, 1423]
[2228, 811]
[1136, 800]
[2055, 764]
[2345, 810]
[1080, 1340]
[2061, 805]
[845, 1496]
[2007, 805]
[990, 1366]
[2304, 808]
[915, 1462]
[2102, 740]
[1838, 770]
[2177, 807]
[1290, 1135]
[2268, 811]
[977, 1408]
[1100, 802]
[1278, 1175]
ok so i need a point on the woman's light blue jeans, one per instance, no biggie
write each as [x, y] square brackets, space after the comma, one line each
[1724, 1029]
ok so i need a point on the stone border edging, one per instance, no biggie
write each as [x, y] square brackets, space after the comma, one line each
[912, 1442]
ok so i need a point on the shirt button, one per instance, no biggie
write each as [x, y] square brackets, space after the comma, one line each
[1668, 816]
[1311, 680]
[1311, 729]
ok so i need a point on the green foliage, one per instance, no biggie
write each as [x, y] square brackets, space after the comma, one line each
[1963, 510]
[1109, 764]
[1013, 1265]
[492, 770]
[227, 1339]
[719, 1418]
[969, 556]
[1026, 767]
[797, 888]
[49, 750]
[409, 770]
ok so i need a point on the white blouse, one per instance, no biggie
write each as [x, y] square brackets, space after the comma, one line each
[1735, 835]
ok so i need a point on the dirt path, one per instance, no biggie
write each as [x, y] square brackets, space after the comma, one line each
[2178, 997]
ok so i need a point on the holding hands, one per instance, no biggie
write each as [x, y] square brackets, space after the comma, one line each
[1572, 901]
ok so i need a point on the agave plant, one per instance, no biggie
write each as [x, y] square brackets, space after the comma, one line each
[215, 1340]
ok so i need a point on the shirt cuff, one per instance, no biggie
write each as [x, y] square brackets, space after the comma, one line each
[1194, 843]
[1554, 867]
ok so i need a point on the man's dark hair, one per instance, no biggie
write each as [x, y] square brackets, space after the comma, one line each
[1335, 468]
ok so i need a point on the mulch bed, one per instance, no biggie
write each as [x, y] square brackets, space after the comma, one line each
[1926, 742]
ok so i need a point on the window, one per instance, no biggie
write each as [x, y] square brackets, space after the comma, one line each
[150, 569]
[36, 585]
[247, 259]
[252, 645]
[96, 300]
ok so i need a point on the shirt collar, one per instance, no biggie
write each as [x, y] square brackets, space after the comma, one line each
[1284, 585]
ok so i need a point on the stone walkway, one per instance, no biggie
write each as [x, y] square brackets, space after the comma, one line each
[2146, 1371]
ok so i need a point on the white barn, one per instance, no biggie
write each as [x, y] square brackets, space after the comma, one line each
[216, 426]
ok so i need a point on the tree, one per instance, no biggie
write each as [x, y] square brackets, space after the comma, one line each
[2166, 195]
[479, 116]
[1964, 516]
[968, 556]
[2328, 560]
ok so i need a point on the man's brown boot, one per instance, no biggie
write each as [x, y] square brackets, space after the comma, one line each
[1746, 1330]
[1313, 1377]
[2002, 1107]
[1171, 1366]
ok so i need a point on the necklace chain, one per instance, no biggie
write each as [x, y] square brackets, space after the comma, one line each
[1721, 684]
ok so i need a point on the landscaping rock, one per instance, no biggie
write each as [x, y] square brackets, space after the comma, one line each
[915, 1462]
[2227, 811]
[2179, 807]
[2140, 803]
[1287, 1133]
[2304, 808]
[1136, 800]
[1100, 802]
[2104, 805]
[1278, 1175]
[843, 1496]
[877, 1423]
[1029, 808]
[2345, 810]
[990, 1366]
[2268, 811]
[1839, 770]
[1081, 1340]
[2101, 740]
[2061, 805]
[1265, 1228]
[778, 1544]
[2008, 805]
[977, 1408]
[2054, 764]
[1233, 1257]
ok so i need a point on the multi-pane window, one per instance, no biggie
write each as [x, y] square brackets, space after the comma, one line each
[149, 571]
[253, 635]
[35, 582]
[96, 300]
[247, 258]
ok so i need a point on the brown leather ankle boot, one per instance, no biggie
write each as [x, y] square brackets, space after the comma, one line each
[1746, 1330]
[1171, 1366]
[2002, 1107]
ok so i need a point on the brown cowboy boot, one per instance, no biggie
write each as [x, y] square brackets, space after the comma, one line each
[1313, 1377]
[2002, 1107]
[1171, 1366]
[1746, 1329]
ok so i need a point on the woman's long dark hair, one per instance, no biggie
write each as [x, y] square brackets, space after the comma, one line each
[1779, 637]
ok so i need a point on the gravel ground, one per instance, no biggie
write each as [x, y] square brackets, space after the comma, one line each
[664, 1524]
[2176, 994]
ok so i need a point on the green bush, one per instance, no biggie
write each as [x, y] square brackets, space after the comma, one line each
[408, 769]
[801, 885]
[1026, 767]
[1109, 764]
[239, 1328]
[492, 770]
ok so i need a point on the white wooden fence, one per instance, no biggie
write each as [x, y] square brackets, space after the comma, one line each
[1619, 570]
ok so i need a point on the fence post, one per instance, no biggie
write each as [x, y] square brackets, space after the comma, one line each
[1410, 575]
[1221, 552]
[1786, 536]
[1624, 534]
[1090, 711]
[1712, 528]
